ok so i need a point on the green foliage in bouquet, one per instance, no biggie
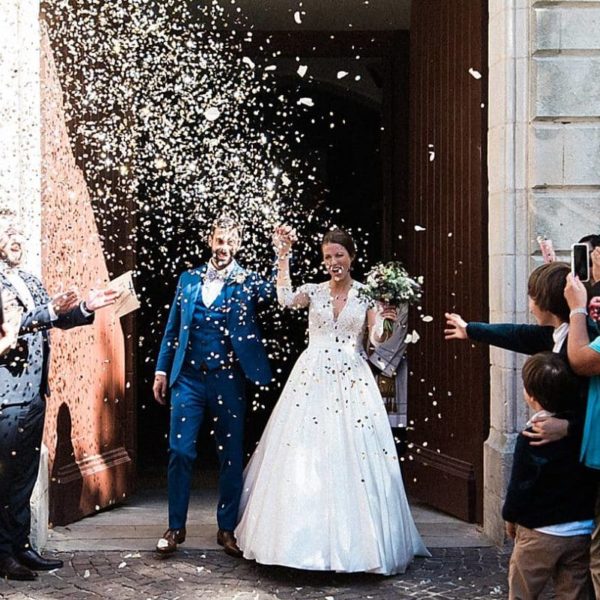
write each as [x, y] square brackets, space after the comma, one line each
[391, 284]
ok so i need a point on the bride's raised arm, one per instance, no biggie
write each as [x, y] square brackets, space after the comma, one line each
[283, 239]
[286, 295]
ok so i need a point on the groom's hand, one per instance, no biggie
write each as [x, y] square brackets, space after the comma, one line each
[160, 388]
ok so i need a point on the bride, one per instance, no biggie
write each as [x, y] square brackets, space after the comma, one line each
[323, 489]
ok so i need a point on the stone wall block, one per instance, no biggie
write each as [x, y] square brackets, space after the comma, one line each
[497, 463]
[566, 86]
[567, 28]
[564, 217]
[582, 154]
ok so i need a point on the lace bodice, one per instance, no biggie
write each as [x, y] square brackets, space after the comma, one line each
[347, 332]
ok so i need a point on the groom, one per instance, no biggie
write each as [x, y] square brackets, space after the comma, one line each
[211, 345]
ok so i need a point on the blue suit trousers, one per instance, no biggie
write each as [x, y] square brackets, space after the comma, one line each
[220, 394]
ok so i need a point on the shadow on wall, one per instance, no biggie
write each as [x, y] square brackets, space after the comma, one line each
[65, 471]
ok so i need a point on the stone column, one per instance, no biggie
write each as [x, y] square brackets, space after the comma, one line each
[508, 247]
[544, 178]
[20, 164]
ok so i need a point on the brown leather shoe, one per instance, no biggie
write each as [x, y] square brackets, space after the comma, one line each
[168, 542]
[229, 543]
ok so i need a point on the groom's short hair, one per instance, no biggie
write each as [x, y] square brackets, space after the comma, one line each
[225, 222]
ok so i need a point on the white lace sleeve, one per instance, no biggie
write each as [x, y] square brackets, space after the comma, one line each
[290, 298]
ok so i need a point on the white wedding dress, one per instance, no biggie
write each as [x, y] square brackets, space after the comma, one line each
[323, 490]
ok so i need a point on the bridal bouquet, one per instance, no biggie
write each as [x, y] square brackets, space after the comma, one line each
[390, 283]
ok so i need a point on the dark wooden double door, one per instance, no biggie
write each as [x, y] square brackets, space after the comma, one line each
[434, 217]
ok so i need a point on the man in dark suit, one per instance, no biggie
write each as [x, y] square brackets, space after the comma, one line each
[211, 345]
[23, 387]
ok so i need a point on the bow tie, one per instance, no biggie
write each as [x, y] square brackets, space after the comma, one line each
[214, 275]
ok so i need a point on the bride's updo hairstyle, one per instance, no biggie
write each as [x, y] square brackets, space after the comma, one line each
[339, 236]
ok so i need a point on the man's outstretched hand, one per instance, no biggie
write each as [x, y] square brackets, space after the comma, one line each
[97, 299]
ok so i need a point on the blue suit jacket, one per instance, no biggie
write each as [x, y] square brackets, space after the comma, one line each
[244, 290]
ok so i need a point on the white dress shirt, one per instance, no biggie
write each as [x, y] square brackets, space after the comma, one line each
[213, 282]
[559, 335]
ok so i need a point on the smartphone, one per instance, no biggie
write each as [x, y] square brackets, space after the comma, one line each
[580, 261]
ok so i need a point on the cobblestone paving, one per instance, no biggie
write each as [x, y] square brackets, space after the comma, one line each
[458, 573]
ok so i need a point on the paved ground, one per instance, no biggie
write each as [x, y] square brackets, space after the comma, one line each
[465, 574]
[110, 556]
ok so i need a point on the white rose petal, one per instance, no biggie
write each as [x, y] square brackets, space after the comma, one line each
[427, 318]
[121, 565]
[302, 70]
[86, 573]
[248, 61]
[298, 17]
[306, 101]
[419, 228]
[162, 543]
[342, 74]
[474, 73]
[212, 113]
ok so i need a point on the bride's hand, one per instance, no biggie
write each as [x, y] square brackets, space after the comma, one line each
[456, 327]
[388, 312]
[284, 238]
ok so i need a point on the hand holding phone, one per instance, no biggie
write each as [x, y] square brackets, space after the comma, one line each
[580, 261]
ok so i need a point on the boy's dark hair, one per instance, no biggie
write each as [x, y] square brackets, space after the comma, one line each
[593, 239]
[548, 379]
[546, 288]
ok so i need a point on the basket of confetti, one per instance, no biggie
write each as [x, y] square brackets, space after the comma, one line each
[390, 283]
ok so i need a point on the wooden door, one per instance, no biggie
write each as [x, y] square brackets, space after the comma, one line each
[446, 241]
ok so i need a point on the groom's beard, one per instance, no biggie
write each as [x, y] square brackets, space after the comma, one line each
[221, 260]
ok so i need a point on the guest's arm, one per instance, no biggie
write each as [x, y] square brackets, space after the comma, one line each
[526, 339]
[584, 358]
